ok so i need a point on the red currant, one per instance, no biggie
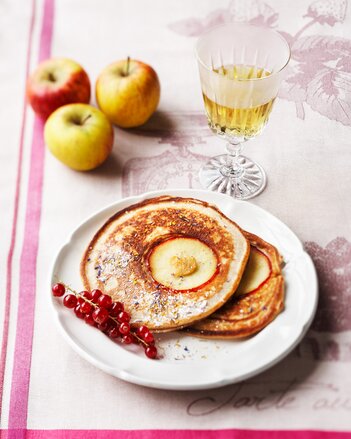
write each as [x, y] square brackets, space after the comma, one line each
[105, 301]
[86, 307]
[127, 339]
[100, 315]
[110, 324]
[58, 290]
[124, 328]
[95, 294]
[123, 316]
[86, 294]
[116, 308]
[89, 319]
[78, 312]
[113, 332]
[103, 327]
[148, 337]
[70, 301]
[142, 330]
[103, 317]
[151, 352]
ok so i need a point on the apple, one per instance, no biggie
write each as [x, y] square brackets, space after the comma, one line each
[79, 135]
[128, 92]
[57, 82]
[257, 271]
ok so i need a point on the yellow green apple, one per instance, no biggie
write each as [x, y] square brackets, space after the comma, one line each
[79, 135]
[56, 82]
[128, 92]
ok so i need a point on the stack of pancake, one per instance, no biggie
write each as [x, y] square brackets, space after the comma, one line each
[181, 263]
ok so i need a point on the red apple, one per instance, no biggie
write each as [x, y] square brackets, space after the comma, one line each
[57, 82]
[128, 92]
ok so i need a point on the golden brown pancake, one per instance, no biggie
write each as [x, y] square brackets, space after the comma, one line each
[258, 300]
[170, 260]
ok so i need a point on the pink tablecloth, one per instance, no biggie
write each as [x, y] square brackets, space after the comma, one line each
[46, 390]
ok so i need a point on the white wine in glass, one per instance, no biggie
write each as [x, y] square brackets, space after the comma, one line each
[240, 70]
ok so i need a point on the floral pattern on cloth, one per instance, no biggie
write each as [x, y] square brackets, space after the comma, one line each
[327, 339]
[319, 74]
[178, 166]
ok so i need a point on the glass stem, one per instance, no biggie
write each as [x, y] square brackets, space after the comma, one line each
[234, 150]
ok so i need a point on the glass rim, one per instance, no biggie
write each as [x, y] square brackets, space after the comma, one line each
[249, 26]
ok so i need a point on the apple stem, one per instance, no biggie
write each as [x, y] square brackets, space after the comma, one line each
[84, 120]
[127, 68]
[51, 77]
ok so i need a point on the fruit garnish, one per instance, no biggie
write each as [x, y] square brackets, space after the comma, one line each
[151, 352]
[58, 290]
[98, 310]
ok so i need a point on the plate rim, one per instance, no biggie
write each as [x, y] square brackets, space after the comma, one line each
[139, 379]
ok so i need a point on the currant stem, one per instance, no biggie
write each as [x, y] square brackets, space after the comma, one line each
[110, 317]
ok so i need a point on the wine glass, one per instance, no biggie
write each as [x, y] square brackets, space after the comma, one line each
[241, 69]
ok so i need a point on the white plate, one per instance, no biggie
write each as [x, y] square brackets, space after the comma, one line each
[188, 362]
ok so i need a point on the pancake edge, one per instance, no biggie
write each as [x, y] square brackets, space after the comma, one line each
[167, 198]
[276, 262]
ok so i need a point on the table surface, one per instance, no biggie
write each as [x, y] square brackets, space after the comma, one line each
[46, 389]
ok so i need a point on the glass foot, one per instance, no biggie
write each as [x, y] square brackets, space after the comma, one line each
[243, 184]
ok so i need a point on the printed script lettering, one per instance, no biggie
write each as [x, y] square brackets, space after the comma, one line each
[285, 396]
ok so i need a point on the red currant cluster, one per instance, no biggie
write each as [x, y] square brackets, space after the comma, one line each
[98, 310]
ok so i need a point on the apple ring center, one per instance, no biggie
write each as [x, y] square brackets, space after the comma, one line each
[257, 271]
[182, 263]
